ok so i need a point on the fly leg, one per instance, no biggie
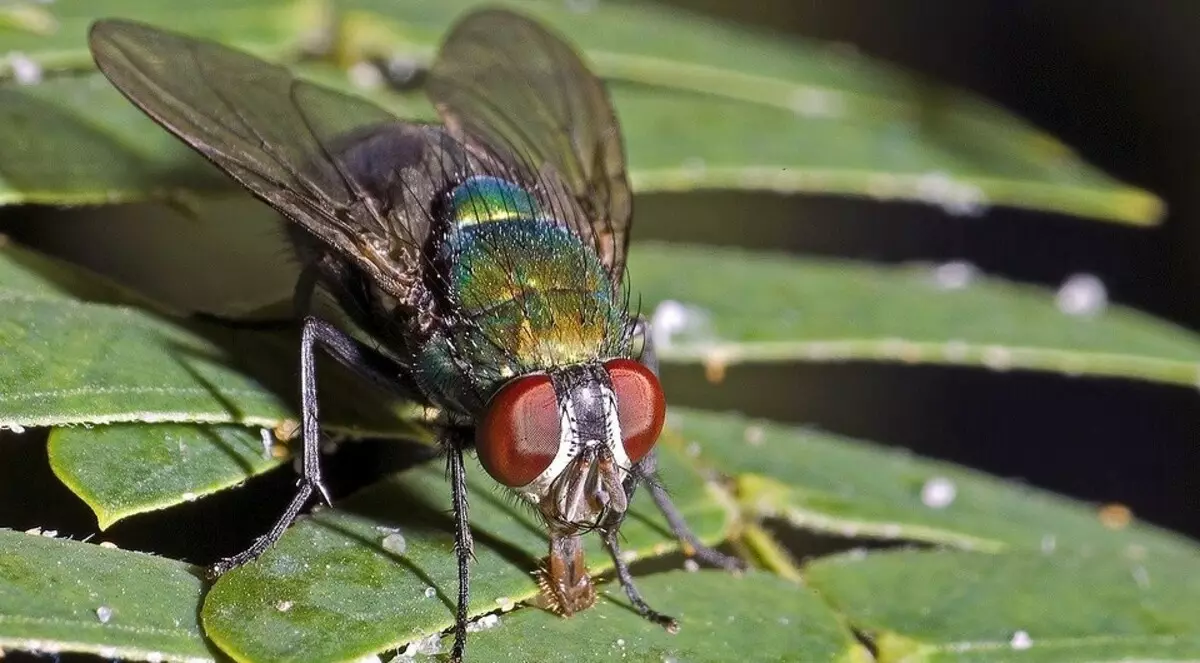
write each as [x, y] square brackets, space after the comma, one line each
[359, 358]
[645, 471]
[609, 536]
[692, 545]
[454, 442]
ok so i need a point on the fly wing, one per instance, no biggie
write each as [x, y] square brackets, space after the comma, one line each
[347, 171]
[503, 79]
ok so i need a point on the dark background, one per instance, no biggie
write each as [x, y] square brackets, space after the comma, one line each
[1119, 82]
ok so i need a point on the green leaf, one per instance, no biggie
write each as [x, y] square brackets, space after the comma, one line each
[797, 116]
[788, 309]
[67, 596]
[814, 480]
[72, 361]
[329, 590]
[127, 469]
[888, 135]
[755, 617]
[54, 37]
[1065, 607]
[82, 362]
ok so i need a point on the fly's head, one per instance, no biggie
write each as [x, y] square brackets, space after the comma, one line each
[566, 441]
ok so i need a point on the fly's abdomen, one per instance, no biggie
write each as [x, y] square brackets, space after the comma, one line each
[531, 294]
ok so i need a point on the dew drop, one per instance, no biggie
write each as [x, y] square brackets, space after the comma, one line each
[1142, 577]
[954, 275]
[26, 71]
[997, 358]
[484, 623]
[954, 197]
[1020, 641]
[104, 613]
[677, 323]
[938, 493]
[1082, 295]
[1049, 543]
[365, 75]
[395, 543]
[815, 102]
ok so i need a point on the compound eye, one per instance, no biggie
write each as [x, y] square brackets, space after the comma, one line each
[518, 437]
[641, 407]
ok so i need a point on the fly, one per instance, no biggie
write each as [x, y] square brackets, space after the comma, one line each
[485, 255]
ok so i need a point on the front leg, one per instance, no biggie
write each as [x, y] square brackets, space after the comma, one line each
[360, 359]
[646, 469]
[454, 441]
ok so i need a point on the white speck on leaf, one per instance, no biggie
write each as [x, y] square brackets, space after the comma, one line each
[938, 493]
[1021, 641]
[1049, 543]
[26, 70]
[954, 197]
[395, 543]
[997, 358]
[430, 592]
[955, 351]
[1082, 295]
[365, 75]
[1141, 576]
[691, 565]
[815, 102]
[284, 606]
[674, 322]
[104, 613]
[954, 275]
[484, 623]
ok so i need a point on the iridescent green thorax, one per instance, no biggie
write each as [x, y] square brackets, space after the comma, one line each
[529, 295]
[484, 198]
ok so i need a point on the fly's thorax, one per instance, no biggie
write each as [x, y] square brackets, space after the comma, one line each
[520, 293]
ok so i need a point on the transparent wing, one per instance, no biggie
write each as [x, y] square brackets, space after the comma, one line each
[503, 79]
[347, 171]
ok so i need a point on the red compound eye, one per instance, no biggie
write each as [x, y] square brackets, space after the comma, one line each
[640, 405]
[519, 434]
